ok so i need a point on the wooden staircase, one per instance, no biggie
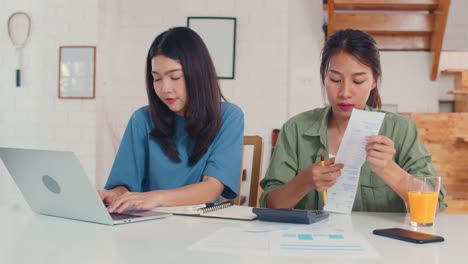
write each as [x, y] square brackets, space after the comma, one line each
[414, 25]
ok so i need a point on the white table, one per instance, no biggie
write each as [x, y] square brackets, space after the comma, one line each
[26, 237]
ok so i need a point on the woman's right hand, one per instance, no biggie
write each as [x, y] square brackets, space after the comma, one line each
[322, 178]
[109, 196]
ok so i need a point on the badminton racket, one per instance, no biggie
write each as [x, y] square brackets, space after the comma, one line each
[19, 28]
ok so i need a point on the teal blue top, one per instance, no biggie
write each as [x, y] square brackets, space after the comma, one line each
[141, 164]
[305, 136]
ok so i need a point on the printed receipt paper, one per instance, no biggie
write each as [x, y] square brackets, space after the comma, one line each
[352, 153]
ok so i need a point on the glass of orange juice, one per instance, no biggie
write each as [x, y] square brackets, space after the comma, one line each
[423, 194]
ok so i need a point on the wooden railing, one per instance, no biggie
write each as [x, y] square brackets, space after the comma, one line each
[461, 89]
[446, 136]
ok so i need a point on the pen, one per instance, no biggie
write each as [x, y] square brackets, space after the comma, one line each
[199, 206]
[322, 163]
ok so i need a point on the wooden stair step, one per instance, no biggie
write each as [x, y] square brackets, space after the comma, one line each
[395, 5]
[402, 42]
[456, 92]
[386, 23]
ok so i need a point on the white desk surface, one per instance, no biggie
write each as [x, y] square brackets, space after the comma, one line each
[26, 237]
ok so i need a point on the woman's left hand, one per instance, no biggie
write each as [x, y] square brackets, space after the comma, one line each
[135, 200]
[380, 151]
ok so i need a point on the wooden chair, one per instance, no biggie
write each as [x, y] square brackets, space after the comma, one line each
[255, 191]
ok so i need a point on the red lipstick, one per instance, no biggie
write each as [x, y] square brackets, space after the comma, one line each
[346, 107]
[171, 100]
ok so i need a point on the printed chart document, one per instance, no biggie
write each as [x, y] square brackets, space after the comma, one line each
[281, 240]
[321, 245]
[352, 153]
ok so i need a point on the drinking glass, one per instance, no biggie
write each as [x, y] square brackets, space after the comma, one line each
[423, 194]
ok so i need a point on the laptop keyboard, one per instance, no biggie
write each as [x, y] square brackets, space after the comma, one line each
[116, 216]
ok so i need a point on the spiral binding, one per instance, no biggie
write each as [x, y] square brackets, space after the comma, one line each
[215, 207]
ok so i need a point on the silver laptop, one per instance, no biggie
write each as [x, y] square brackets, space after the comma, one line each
[54, 183]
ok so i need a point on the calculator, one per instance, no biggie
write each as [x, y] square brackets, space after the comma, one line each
[295, 216]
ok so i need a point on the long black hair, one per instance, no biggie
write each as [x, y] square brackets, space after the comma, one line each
[203, 106]
[361, 46]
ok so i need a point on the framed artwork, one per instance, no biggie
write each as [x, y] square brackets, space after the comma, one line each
[219, 35]
[77, 70]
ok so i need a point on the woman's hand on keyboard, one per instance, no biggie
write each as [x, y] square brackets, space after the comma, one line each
[136, 200]
[109, 196]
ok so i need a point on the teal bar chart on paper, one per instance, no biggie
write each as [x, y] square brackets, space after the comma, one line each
[323, 245]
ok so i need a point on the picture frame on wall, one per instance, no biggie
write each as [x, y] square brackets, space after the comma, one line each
[77, 72]
[219, 35]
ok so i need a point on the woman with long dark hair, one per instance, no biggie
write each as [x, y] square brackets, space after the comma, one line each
[185, 147]
[350, 72]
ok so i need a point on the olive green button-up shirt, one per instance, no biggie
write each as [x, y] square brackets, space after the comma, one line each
[305, 136]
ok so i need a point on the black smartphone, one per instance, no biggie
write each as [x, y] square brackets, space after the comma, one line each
[408, 235]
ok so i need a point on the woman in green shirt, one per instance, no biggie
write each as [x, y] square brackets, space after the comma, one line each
[350, 71]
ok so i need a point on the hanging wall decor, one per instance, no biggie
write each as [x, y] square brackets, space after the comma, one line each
[77, 72]
[219, 35]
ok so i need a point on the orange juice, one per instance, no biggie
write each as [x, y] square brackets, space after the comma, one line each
[422, 206]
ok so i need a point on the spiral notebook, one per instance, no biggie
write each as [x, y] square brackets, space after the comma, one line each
[221, 210]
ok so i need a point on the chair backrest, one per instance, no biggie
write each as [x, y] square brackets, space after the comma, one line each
[257, 158]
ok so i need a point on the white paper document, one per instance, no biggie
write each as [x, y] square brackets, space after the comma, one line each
[235, 241]
[286, 241]
[321, 245]
[352, 153]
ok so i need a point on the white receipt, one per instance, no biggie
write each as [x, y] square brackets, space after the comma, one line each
[352, 153]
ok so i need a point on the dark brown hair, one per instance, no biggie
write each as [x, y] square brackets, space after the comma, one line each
[360, 45]
[203, 107]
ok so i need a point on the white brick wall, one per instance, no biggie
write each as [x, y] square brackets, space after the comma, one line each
[305, 44]
[32, 116]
